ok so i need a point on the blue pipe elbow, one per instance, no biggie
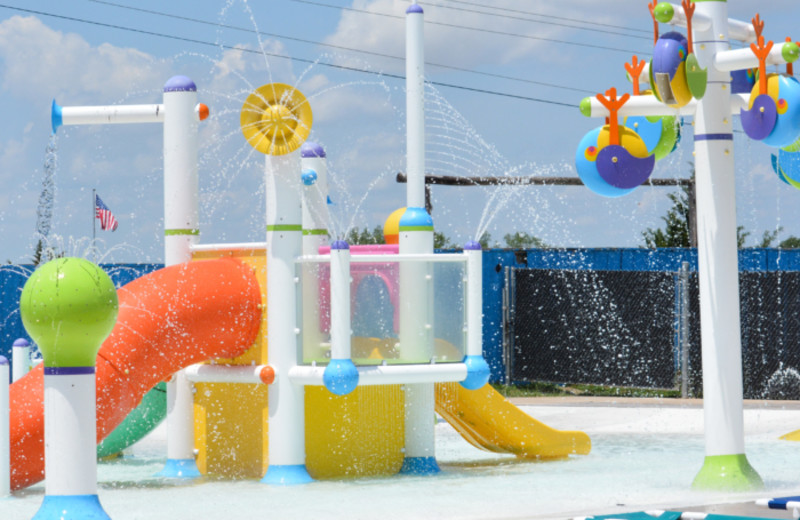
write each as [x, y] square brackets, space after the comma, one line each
[478, 372]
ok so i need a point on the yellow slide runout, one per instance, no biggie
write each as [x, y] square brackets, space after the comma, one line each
[489, 421]
[791, 436]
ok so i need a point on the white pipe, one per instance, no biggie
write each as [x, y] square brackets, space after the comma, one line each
[252, 374]
[739, 59]
[235, 246]
[639, 106]
[21, 358]
[406, 257]
[741, 31]
[112, 114]
[5, 434]
[415, 107]
[650, 106]
[474, 302]
[340, 301]
[387, 374]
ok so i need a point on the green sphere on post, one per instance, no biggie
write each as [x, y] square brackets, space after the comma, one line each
[664, 12]
[69, 307]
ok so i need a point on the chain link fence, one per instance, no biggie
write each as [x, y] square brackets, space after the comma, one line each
[642, 329]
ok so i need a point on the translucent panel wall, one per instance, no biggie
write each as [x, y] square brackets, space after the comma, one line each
[375, 298]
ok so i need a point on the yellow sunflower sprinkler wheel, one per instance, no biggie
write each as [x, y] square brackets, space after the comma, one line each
[276, 119]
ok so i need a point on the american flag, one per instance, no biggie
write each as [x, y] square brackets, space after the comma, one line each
[107, 219]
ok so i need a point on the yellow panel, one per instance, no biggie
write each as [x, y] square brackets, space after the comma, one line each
[231, 426]
[231, 419]
[357, 435]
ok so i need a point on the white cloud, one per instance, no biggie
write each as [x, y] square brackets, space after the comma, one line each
[462, 35]
[38, 61]
[345, 101]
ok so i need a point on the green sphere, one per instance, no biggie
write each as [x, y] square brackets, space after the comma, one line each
[586, 106]
[664, 12]
[69, 307]
[790, 52]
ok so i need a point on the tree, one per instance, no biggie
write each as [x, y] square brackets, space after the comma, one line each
[676, 230]
[790, 243]
[522, 240]
[365, 236]
[442, 241]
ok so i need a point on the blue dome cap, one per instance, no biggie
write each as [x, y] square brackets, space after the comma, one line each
[3, 361]
[180, 84]
[340, 244]
[21, 342]
[310, 149]
[414, 8]
[472, 245]
[416, 217]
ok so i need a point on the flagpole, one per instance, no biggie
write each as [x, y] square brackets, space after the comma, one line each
[94, 224]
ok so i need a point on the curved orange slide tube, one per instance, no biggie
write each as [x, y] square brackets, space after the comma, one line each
[169, 319]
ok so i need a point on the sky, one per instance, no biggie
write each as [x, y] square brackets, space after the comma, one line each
[504, 81]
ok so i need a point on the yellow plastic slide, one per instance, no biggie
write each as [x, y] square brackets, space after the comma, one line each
[488, 421]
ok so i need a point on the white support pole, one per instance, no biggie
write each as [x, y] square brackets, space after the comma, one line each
[315, 235]
[284, 243]
[20, 358]
[70, 460]
[416, 281]
[415, 107]
[5, 433]
[474, 299]
[340, 301]
[478, 368]
[726, 466]
[180, 233]
[341, 375]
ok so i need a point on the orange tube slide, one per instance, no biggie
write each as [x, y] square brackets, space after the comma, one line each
[169, 319]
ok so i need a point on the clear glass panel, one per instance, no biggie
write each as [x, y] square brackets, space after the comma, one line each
[436, 327]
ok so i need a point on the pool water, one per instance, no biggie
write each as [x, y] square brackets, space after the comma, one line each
[643, 457]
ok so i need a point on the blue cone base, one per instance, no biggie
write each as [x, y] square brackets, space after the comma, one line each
[420, 466]
[179, 468]
[287, 475]
[69, 507]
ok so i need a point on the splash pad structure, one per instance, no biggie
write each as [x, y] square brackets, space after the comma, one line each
[279, 395]
[691, 76]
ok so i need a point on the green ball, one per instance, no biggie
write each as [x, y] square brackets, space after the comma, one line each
[664, 12]
[69, 307]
